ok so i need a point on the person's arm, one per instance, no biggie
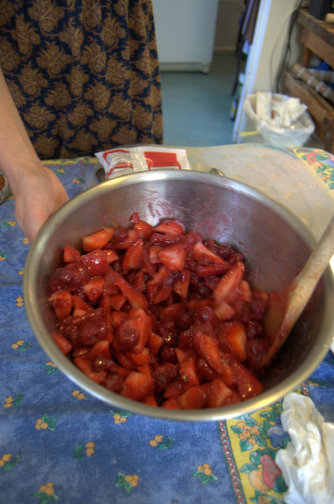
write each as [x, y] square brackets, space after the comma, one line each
[37, 190]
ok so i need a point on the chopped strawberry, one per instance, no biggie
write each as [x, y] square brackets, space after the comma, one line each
[123, 238]
[97, 240]
[227, 374]
[164, 376]
[137, 386]
[135, 331]
[114, 382]
[188, 372]
[248, 385]
[92, 328]
[150, 401]
[141, 358]
[94, 288]
[86, 367]
[110, 288]
[95, 262]
[162, 295]
[160, 316]
[232, 339]
[181, 286]
[172, 312]
[200, 303]
[117, 301]
[181, 356]
[203, 253]
[207, 270]
[218, 393]
[148, 266]
[161, 280]
[164, 239]
[101, 348]
[207, 348]
[175, 389]
[193, 398]
[138, 280]
[171, 404]
[112, 256]
[153, 253]
[70, 254]
[80, 306]
[63, 343]
[134, 297]
[144, 230]
[146, 369]
[224, 311]
[245, 291]
[117, 318]
[62, 303]
[171, 227]
[154, 342]
[124, 361]
[133, 256]
[173, 257]
[228, 284]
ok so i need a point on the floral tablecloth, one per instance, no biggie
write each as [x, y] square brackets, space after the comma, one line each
[58, 444]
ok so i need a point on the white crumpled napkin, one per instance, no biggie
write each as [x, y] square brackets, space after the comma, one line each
[307, 463]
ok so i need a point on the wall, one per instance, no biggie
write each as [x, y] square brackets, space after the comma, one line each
[227, 27]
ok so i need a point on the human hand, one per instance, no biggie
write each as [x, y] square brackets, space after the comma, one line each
[38, 194]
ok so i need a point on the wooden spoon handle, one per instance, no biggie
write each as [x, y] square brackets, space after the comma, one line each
[306, 281]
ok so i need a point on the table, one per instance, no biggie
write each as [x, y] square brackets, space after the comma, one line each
[58, 444]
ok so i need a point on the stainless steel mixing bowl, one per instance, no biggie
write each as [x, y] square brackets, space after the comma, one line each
[274, 241]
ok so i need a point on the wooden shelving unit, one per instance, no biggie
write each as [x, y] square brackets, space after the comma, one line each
[317, 38]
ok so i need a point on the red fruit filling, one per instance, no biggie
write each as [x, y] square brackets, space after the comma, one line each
[160, 315]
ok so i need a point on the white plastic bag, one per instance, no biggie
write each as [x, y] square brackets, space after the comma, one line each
[281, 120]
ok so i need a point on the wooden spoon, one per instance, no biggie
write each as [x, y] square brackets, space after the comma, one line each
[286, 306]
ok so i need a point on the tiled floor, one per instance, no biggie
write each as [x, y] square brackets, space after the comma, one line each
[197, 106]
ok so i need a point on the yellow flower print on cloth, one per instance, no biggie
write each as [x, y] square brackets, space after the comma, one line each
[160, 442]
[79, 395]
[21, 345]
[19, 301]
[9, 224]
[127, 481]
[204, 474]
[120, 416]
[46, 494]
[84, 450]
[46, 423]
[8, 461]
[13, 400]
[50, 368]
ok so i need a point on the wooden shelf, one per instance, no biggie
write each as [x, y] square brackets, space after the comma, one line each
[317, 37]
[320, 109]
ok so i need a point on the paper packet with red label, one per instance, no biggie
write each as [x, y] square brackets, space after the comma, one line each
[124, 160]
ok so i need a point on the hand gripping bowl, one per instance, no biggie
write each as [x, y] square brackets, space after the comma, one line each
[274, 242]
